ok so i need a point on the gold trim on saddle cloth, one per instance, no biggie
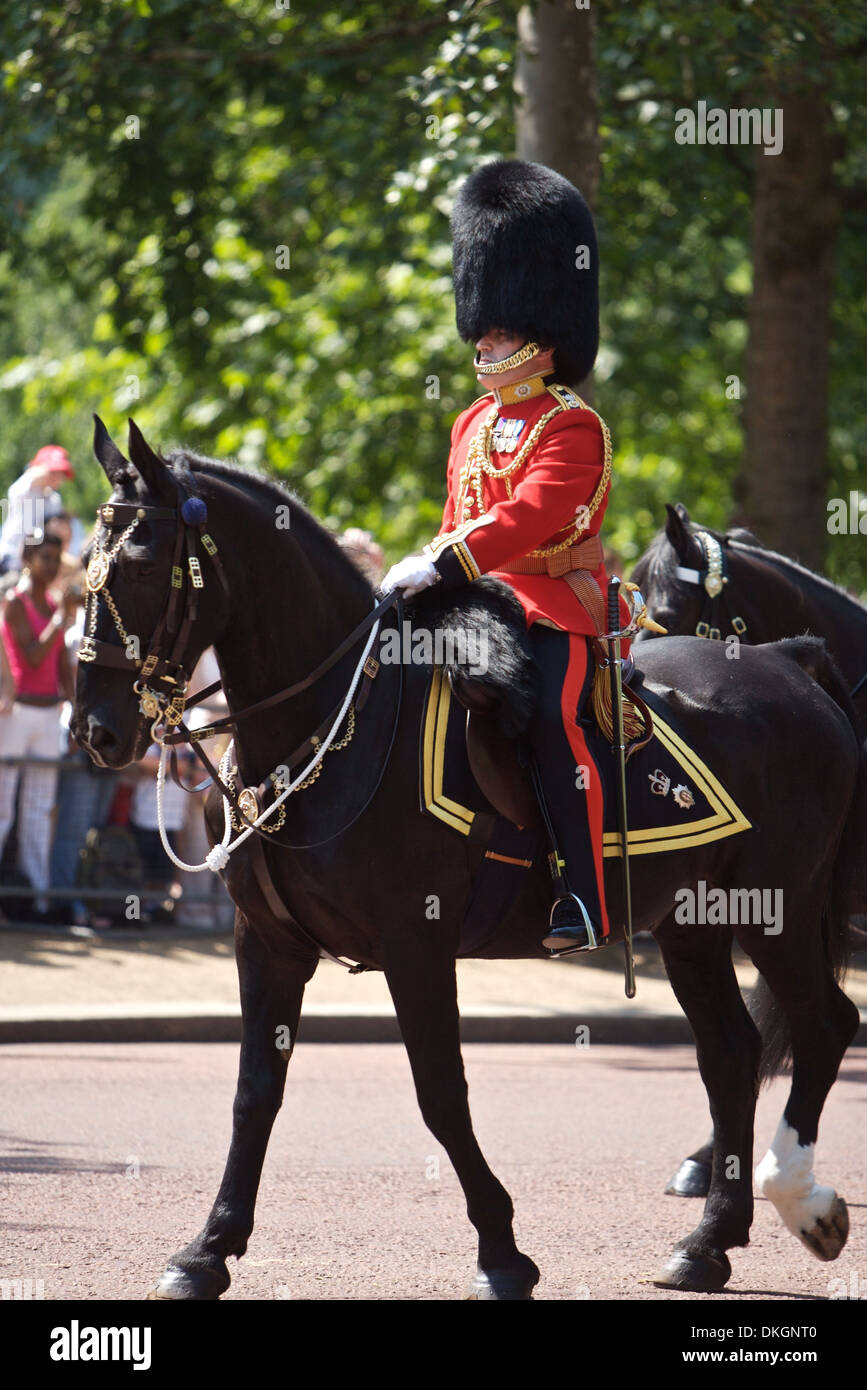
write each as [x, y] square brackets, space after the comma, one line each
[727, 818]
[436, 720]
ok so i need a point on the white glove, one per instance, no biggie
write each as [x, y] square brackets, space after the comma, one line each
[411, 574]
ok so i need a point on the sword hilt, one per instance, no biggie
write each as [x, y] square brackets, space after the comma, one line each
[614, 604]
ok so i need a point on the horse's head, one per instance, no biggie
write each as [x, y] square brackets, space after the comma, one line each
[674, 602]
[152, 606]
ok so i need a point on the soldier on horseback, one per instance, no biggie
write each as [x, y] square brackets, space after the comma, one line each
[529, 474]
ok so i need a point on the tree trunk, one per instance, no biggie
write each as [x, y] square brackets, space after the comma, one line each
[555, 82]
[795, 217]
[555, 86]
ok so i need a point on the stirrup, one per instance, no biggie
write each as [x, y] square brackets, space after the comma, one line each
[567, 935]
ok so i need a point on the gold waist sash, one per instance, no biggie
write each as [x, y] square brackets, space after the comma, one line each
[586, 556]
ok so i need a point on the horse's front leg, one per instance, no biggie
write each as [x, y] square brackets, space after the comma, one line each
[421, 977]
[272, 988]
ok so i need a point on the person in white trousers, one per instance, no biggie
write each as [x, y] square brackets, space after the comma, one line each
[32, 630]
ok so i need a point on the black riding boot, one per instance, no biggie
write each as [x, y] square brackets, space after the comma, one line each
[576, 921]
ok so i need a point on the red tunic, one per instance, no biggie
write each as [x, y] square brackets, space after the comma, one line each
[559, 476]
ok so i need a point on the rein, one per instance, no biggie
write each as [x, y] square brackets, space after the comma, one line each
[246, 803]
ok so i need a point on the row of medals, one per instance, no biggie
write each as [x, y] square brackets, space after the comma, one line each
[505, 435]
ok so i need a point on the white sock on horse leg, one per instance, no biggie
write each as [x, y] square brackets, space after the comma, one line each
[785, 1177]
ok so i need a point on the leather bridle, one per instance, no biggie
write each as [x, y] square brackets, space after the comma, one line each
[164, 663]
[713, 578]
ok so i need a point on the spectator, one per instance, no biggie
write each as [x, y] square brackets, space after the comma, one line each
[159, 872]
[84, 798]
[7, 683]
[32, 632]
[30, 497]
[61, 524]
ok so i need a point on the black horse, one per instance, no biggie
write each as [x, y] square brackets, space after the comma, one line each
[765, 597]
[276, 597]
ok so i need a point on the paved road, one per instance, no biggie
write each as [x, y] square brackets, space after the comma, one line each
[111, 1155]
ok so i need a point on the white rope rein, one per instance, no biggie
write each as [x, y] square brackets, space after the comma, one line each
[218, 857]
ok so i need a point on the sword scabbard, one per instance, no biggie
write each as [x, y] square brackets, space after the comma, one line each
[618, 743]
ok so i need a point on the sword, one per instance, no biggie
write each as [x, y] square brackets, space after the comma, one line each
[618, 747]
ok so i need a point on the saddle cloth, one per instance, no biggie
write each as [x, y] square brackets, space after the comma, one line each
[674, 801]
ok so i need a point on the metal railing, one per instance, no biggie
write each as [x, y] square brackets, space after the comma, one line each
[147, 898]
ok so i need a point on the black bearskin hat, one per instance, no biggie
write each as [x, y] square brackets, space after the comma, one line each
[517, 231]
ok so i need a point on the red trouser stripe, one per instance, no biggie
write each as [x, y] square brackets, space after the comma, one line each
[576, 674]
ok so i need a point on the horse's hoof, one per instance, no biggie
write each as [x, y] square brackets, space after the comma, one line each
[695, 1273]
[502, 1285]
[827, 1236]
[691, 1180]
[185, 1284]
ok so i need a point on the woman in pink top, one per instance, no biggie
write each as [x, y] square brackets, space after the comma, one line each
[32, 630]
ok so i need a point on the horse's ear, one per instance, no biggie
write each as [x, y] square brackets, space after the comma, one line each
[677, 520]
[149, 466]
[114, 465]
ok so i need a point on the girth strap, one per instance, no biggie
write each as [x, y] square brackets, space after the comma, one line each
[281, 913]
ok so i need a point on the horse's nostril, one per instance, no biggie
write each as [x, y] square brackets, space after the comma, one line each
[100, 739]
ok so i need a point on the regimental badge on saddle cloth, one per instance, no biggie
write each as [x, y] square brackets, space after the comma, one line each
[505, 435]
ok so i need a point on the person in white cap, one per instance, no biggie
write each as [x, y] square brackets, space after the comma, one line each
[29, 499]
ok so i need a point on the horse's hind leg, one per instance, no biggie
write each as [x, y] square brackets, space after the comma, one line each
[699, 965]
[272, 988]
[821, 1022]
[692, 1178]
[423, 987]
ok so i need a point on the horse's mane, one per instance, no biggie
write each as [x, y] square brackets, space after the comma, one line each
[785, 562]
[272, 493]
[737, 541]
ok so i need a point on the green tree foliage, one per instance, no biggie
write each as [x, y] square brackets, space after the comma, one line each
[231, 221]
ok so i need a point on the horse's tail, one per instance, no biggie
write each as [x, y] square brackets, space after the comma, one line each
[846, 889]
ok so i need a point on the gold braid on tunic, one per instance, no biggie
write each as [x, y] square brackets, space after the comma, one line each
[478, 463]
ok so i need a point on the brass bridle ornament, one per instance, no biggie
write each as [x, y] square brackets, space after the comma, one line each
[164, 662]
